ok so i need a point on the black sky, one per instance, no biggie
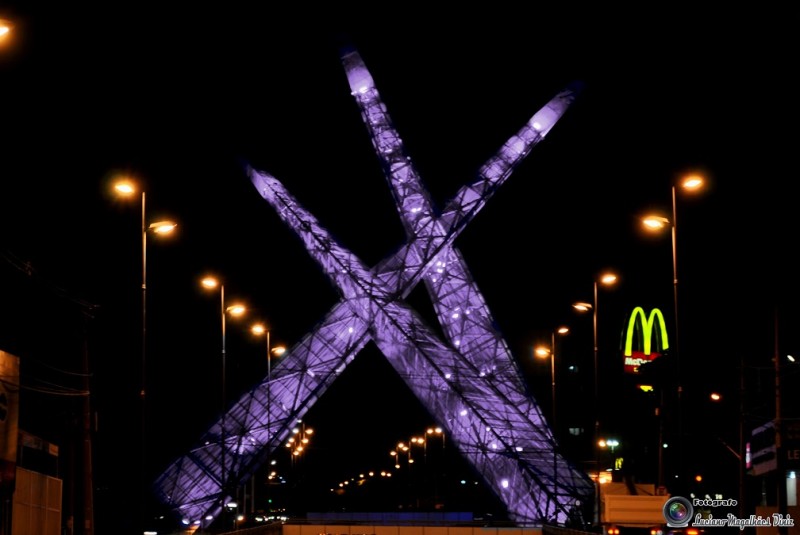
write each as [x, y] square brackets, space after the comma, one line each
[182, 97]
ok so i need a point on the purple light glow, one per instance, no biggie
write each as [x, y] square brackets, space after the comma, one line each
[472, 385]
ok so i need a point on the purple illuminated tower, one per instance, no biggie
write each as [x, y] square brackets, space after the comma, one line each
[469, 381]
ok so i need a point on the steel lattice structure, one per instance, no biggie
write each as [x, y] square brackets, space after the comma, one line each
[469, 381]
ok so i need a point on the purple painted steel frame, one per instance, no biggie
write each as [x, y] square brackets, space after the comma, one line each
[472, 385]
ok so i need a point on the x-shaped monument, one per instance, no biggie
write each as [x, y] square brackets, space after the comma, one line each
[469, 382]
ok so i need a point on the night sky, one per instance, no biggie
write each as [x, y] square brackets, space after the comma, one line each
[182, 98]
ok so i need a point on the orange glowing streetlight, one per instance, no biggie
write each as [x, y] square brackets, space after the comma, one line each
[128, 188]
[691, 183]
[237, 309]
[607, 278]
[6, 27]
[303, 437]
[260, 329]
[544, 352]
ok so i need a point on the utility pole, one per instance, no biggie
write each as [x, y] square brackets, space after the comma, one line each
[88, 480]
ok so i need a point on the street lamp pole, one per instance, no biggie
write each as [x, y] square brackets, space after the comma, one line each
[236, 310]
[269, 424]
[674, 233]
[553, 378]
[553, 394]
[679, 386]
[605, 279]
[690, 183]
[597, 405]
[551, 352]
[127, 188]
[143, 366]
[143, 391]
[259, 329]
[224, 394]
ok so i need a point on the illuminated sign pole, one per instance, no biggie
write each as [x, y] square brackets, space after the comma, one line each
[652, 336]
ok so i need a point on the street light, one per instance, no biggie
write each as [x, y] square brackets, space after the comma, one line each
[544, 352]
[5, 29]
[127, 188]
[6, 35]
[691, 183]
[259, 329]
[654, 223]
[436, 431]
[609, 443]
[606, 279]
[298, 446]
[211, 283]
[431, 432]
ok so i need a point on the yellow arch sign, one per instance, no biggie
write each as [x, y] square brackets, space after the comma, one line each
[647, 324]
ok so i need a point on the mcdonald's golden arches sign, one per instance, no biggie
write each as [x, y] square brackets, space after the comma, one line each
[645, 338]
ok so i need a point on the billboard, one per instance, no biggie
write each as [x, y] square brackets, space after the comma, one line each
[648, 333]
